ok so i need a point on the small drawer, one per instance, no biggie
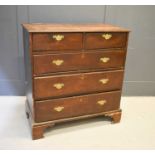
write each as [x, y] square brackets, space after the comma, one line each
[49, 63]
[77, 84]
[105, 40]
[57, 41]
[54, 109]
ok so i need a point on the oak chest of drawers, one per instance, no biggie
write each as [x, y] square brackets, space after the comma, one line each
[73, 72]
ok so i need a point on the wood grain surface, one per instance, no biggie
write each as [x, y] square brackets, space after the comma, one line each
[45, 27]
[76, 106]
[53, 63]
[75, 84]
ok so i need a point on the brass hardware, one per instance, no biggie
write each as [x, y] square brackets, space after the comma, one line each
[81, 99]
[82, 76]
[57, 62]
[104, 59]
[82, 56]
[106, 36]
[58, 85]
[104, 81]
[101, 102]
[58, 37]
[58, 109]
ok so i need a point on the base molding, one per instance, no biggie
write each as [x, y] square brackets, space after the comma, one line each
[37, 129]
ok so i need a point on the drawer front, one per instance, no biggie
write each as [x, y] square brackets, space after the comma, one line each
[57, 41]
[76, 84]
[50, 63]
[76, 106]
[105, 40]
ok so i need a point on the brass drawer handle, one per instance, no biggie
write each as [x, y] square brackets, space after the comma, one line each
[104, 59]
[101, 102]
[104, 81]
[106, 36]
[57, 62]
[58, 109]
[58, 85]
[58, 37]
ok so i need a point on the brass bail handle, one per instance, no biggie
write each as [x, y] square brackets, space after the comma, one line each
[101, 102]
[106, 36]
[104, 81]
[58, 37]
[58, 85]
[58, 62]
[59, 108]
[105, 59]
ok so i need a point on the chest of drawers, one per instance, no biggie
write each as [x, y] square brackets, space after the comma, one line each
[73, 72]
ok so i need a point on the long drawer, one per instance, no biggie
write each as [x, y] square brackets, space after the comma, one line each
[75, 84]
[49, 63]
[76, 106]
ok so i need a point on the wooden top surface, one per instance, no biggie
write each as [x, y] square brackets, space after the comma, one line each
[42, 27]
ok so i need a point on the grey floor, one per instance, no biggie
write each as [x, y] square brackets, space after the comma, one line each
[135, 131]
